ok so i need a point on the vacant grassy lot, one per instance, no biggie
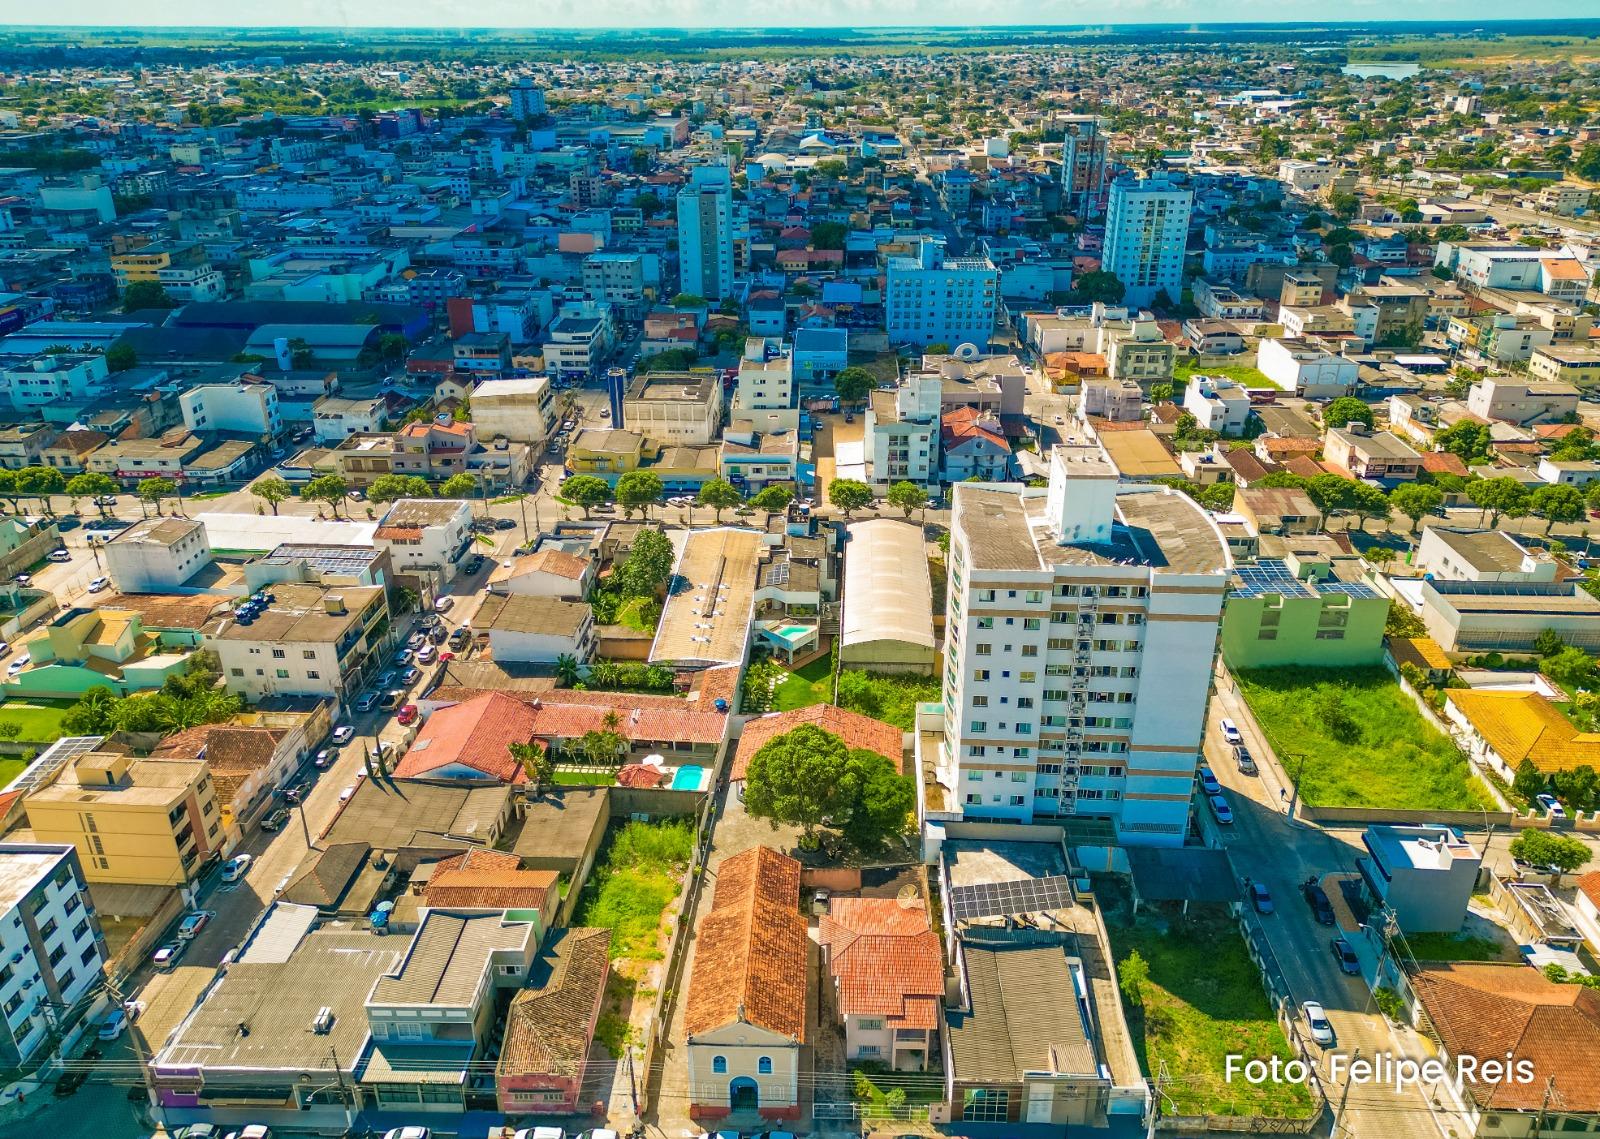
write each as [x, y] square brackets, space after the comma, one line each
[1203, 1001]
[39, 721]
[634, 883]
[564, 777]
[892, 698]
[10, 768]
[1458, 947]
[804, 687]
[1364, 742]
[1246, 374]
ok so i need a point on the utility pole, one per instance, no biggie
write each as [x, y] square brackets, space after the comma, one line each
[1156, 1095]
[135, 1037]
[344, 1094]
[633, 1086]
[1294, 799]
[1338, 1115]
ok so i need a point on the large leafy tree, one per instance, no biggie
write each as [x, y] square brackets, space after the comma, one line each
[881, 799]
[1346, 410]
[1416, 501]
[798, 778]
[854, 384]
[778, 497]
[640, 490]
[388, 488]
[719, 495]
[1465, 438]
[41, 482]
[1499, 496]
[1557, 503]
[849, 495]
[272, 490]
[1543, 848]
[153, 490]
[327, 488]
[908, 497]
[586, 491]
[1098, 285]
[459, 486]
[648, 566]
[91, 484]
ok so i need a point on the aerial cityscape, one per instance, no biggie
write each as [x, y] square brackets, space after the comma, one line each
[650, 576]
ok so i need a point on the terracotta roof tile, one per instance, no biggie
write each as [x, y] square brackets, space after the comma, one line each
[474, 734]
[853, 728]
[885, 959]
[751, 950]
[550, 1024]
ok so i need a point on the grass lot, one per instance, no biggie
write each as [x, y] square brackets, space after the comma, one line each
[633, 884]
[1203, 1001]
[641, 614]
[892, 698]
[1365, 743]
[872, 1085]
[1458, 947]
[564, 778]
[804, 687]
[40, 720]
[1245, 374]
[10, 768]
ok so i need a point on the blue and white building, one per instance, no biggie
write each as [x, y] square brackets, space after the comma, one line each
[1147, 226]
[935, 299]
[705, 235]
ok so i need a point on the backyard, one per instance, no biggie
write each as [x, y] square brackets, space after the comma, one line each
[890, 697]
[1356, 740]
[39, 721]
[1203, 1001]
[10, 768]
[809, 684]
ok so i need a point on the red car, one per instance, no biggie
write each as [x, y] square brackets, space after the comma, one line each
[407, 714]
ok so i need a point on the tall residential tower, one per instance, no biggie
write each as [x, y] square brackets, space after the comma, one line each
[705, 237]
[1082, 627]
[1147, 225]
[935, 299]
[1083, 166]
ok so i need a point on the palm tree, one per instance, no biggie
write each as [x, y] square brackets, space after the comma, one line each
[566, 670]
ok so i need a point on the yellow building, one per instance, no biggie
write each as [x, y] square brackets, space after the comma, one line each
[148, 822]
[606, 453]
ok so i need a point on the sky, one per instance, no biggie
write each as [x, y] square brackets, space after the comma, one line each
[741, 13]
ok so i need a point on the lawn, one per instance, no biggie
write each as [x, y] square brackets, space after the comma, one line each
[634, 883]
[1246, 374]
[810, 684]
[890, 697]
[39, 720]
[1363, 742]
[1458, 947]
[566, 778]
[1203, 1001]
[10, 768]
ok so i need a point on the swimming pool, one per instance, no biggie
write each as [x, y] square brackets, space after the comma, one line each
[790, 636]
[691, 777]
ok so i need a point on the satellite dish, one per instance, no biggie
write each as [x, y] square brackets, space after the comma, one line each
[967, 351]
[909, 897]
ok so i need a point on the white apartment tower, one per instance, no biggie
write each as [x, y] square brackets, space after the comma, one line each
[705, 239]
[935, 299]
[527, 100]
[1083, 166]
[1082, 629]
[1147, 225]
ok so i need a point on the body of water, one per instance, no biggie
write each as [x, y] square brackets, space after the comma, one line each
[1382, 70]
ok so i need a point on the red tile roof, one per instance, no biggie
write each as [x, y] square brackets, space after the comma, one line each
[639, 775]
[751, 953]
[473, 734]
[955, 427]
[885, 959]
[1444, 463]
[470, 882]
[853, 728]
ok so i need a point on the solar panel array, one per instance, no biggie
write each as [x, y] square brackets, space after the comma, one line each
[777, 573]
[1000, 899]
[1268, 576]
[1347, 588]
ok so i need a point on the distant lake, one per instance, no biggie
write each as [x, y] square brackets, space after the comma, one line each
[1382, 70]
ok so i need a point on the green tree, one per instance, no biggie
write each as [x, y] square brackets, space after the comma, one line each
[388, 488]
[272, 490]
[719, 495]
[777, 497]
[880, 798]
[41, 483]
[1529, 781]
[1160, 393]
[648, 566]
[640, 490]
[849, 495]
[463, 485]
[1498, 496]
[828, 235]
[586, 491]
[1133, 974]
[1548, 643]
[798, 778]
[1345, 410]
[1572, 668]
[688, 300]
[854, 385]
[1557, 503]
[153, 490]
[330, 489]
[908, 497]
[1341, 255]
[568, 671]
[1416, 501]
[1099, 285]
[91, 484]
[1466, 438]
[392, 347]
[534, 759]
[121, 357]
[1542, 848]
[145, 294]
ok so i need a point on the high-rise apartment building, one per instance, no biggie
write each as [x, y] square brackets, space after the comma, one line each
[1082, 627]
[1083, 166]
[705, 239]
[527, 100]
[934, 299]
[52, 953]
[1147, 225]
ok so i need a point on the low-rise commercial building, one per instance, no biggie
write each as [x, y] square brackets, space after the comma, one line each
[157, 555]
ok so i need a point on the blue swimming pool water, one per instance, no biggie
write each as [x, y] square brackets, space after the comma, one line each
[688, 778]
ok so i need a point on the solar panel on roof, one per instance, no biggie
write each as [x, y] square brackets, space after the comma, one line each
[1347, 588]
[1000, 899]
[1268, 576]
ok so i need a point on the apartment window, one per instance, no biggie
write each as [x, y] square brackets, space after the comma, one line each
[1019, 777]
[980, 674]
[277, 654]
[283, 673]
[979, 727]
[1017, 800]
[985, 622]
[48, 928]
[1031, 624]
[236, 672]
[980, 701]
[870, 1024]
[90, 955]
[981, 650]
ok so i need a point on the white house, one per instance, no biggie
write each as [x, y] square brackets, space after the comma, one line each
[537, 630]
[156, 555]
[1217, 404]
[1306, 370]
[426, 536]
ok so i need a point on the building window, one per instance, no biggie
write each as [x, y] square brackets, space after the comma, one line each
[985, 1105]
[719, 1065]
[764, 1066]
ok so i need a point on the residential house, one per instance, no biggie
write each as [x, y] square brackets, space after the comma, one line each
[857, 732]
[1306, 370]
[972, 445]
[547, 572]
[1449, 554]
[471, 740]
[536, 629]
[1425, 875]
[1505, 729]
[426, 537]
[336, 418]
[101, 647]
[1370, 454]
[1218, 404]
[888, 973]
[745, 1016]
[1305, 608]
[24, 445]
[1277, 510]
[550, 1025]
[1521, 401]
